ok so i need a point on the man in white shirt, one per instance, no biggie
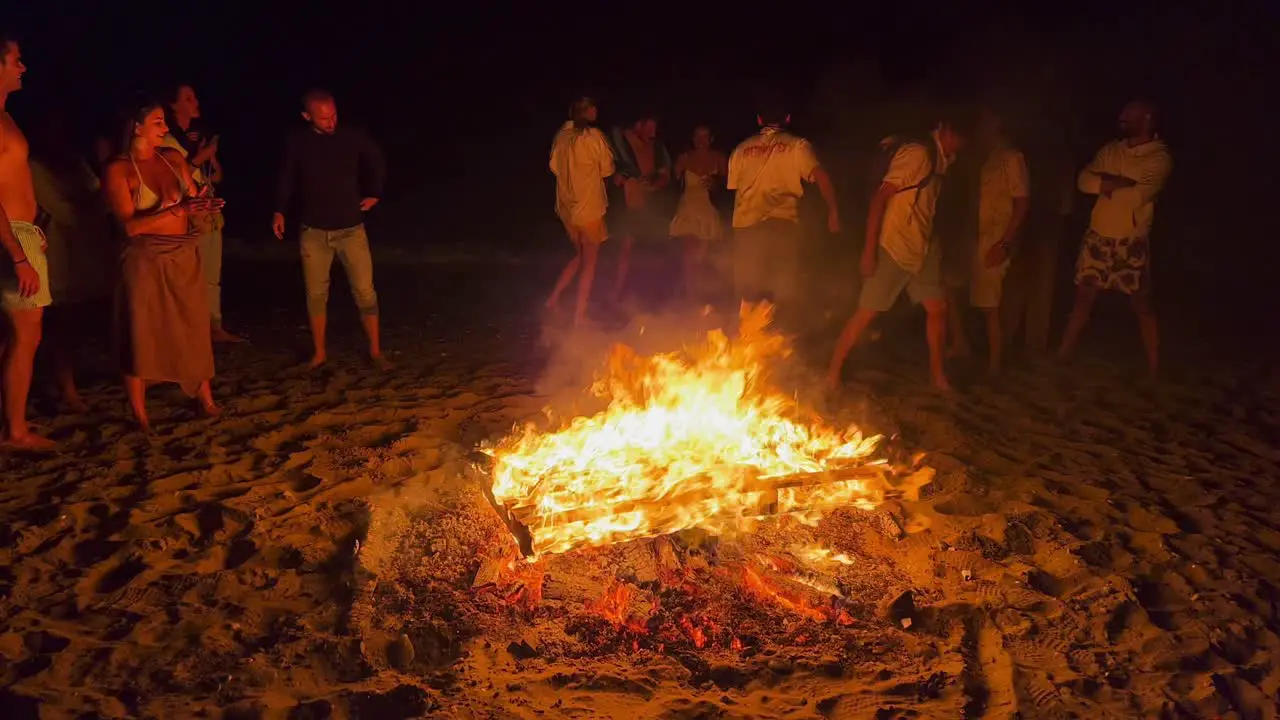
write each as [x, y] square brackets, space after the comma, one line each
[900, 253]
[581, 160]
[1003, 201]
[768, 172]
[1126, 175]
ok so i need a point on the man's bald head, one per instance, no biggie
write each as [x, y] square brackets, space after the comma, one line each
[1138, 119]
[319, 109]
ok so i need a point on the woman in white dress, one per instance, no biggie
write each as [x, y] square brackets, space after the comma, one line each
[697, 222]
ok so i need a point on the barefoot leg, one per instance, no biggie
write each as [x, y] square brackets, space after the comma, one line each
[1148, 327]
[205, 395]
[568, 273]
[959, 338]
[372, 332]
[853, 330]
[936, 335]
[995, 339]
[694, 252]
[136, 390]
[62, 329]
[590, 256]
[25, 329]
[221, 335]
[318, 328]
[318, 248]
[624, 267]
[1085, 295]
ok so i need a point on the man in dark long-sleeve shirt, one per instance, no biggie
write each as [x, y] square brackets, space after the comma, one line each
[322, 170]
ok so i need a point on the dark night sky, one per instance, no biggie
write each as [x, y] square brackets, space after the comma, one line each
[465, 97]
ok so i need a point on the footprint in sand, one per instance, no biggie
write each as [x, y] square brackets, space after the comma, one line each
[120, 576]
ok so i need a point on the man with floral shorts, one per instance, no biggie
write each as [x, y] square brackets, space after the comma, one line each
[1126, 175]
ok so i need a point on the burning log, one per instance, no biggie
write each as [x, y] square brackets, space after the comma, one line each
[763, 496]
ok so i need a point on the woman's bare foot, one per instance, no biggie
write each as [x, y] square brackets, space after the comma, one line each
[220, 335]
[29, 441]
[381, 362]
[74, 402]
[317, 360]
[942, 385]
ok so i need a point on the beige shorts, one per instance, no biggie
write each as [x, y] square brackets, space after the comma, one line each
[31, 238]
[986, 284]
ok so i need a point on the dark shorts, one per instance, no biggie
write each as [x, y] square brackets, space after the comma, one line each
[766, 261]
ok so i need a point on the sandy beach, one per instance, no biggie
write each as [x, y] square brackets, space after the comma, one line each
[1091, 545]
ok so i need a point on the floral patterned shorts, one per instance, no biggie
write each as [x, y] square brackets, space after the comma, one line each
[1120, 264]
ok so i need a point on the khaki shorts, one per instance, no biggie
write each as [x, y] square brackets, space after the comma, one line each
[881, 290]
[31, 239]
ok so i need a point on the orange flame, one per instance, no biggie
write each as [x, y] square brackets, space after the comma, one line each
[694, 438]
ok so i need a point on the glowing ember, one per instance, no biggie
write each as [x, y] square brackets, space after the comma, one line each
[695, 438]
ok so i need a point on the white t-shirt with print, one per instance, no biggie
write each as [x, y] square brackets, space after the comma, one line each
[908, 217]
[768, 171]
[1003, 178]
[581, 160]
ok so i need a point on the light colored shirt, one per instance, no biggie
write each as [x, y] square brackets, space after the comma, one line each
[581, 160]
[212, 222]
[1129, 211]
[80, 248]
[768, 171]
[908, 216]
[1003, 179]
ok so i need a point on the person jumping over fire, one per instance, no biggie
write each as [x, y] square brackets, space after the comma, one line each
[581, 159]
[899, 253]
[325, 163]
[1126, 175]
[24, 275]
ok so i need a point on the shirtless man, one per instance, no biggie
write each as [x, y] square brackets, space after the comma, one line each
[644, 168]
[24, 282]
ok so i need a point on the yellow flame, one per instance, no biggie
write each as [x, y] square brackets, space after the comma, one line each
[689, 439]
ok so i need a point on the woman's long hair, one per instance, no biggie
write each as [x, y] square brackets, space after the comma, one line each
[136, 115]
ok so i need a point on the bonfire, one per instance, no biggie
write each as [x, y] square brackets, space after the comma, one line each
[691, 439]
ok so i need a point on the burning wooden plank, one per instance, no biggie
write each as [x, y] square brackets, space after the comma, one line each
[767, 488]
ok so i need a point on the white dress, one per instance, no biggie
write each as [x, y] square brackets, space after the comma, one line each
[696, 216]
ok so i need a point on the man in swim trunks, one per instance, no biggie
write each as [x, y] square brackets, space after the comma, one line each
[1127, 175]
[24, 281]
